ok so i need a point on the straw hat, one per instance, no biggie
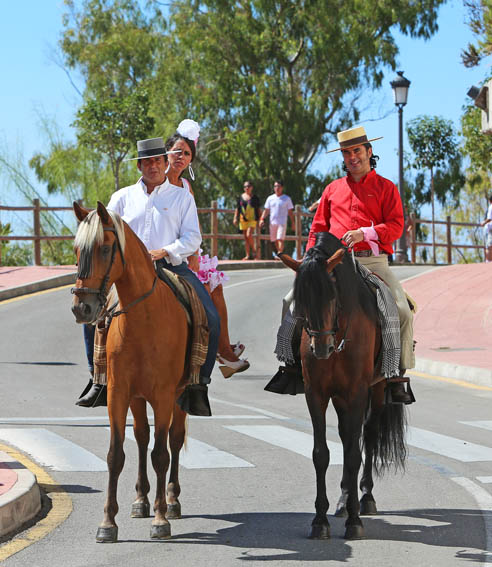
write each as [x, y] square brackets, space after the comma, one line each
[351, 138]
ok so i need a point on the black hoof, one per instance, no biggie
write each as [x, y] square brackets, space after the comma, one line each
[368, 507]
[354, 532]
[320, 532]
[173, 511]
[341, 511]
[107, 535]
[140, 510]
[160, 531]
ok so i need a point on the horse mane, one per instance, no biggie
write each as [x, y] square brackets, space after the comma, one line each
[314, 287]
[89, 233]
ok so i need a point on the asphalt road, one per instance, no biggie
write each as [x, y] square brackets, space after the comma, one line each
[248, 486]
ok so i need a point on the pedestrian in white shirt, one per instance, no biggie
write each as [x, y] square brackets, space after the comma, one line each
[487, 223]
[279, 207]
[165, 218]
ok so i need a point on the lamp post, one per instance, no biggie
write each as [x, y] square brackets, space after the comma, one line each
[400, 92]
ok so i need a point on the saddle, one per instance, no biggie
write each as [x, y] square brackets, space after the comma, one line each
[195, 314]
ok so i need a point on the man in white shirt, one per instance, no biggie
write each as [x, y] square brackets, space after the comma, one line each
[165, 218]
[279, 207]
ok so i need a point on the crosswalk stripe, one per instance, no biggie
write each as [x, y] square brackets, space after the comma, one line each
[52, 450]
[105, 418]
[482, 424]
[485, 479]
[290, 439]
[451, 447]
[200, 455]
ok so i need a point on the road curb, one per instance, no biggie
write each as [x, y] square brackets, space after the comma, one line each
[472, 374]
[41, 285]
[23, 501]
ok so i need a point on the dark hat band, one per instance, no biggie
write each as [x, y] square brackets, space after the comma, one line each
[142, 154]
[354, 142]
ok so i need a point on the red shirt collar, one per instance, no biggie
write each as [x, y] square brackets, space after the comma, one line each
[362, 180]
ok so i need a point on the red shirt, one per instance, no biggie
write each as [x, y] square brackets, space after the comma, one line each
[349, 205]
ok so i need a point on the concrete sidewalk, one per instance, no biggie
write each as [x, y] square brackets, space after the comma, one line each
[453, 330]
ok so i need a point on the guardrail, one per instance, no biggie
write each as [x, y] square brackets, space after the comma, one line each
[215, 236]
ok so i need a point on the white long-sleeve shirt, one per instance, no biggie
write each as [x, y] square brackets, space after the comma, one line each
[165, 219]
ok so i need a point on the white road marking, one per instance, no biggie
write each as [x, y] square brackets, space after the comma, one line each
[199, 455]
[247, 282]
[451, 447]
[484, 501]
[481, 424]
[290, 439]
[105, 418]
[52, 450]
[485, 479]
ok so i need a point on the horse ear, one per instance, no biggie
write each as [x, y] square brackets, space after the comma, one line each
[103, 213]
[289, 262]
[335, 259]
[79, 211]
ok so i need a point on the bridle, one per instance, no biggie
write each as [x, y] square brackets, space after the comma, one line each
[102, 292]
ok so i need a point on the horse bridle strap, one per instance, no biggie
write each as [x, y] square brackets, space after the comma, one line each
[135, 301]
[315, 334]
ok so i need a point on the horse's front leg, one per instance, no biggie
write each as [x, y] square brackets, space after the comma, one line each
[177, 435]
[141, 430]
[163, 407]
[350, 424]
[108, 530]
[320, 527]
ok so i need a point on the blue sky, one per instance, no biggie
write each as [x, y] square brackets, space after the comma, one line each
[32, 82]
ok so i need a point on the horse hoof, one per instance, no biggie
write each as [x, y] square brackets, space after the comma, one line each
[107, 535]
[173, 511]
[140, 510]
[341, 511]
[160, 531]
[368, 507]
[320, 532]
[354, 532]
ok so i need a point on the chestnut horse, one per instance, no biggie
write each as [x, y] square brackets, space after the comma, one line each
[146, 352]
[340, 343]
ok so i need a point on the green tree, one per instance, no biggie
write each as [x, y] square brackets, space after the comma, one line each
[435, 147]
[113, 125]
[477, 146]
[480, 22]
[271, 82]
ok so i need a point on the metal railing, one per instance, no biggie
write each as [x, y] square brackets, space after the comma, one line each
[215, 236]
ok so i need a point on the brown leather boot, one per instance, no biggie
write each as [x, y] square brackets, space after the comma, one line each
[396, 393]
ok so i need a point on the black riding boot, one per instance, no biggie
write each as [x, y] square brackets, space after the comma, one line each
[396, 393]
[194, 400]
[288, 380]
[94, 395]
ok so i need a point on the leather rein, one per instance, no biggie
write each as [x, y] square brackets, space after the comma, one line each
[102, 292]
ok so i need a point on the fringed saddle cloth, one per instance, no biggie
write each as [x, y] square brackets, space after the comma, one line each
[197, 320]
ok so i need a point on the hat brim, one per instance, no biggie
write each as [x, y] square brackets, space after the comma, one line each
[153, 155]
[354, 145]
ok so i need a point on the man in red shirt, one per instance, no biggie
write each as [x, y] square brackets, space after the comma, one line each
[365, 211]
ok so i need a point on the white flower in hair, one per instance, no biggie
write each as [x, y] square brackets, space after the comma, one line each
[189, 129]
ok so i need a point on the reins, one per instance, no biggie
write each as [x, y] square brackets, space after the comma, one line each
[102, 292]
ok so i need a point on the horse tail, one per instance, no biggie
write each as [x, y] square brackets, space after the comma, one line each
[390, 449]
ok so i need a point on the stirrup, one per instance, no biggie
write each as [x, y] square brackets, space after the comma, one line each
[407, 396]
[288, 380]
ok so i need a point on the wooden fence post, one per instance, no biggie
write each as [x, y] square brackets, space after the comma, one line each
[448, 240]
[214, 230]
[413, 240]
[37, 232]
[298, 230]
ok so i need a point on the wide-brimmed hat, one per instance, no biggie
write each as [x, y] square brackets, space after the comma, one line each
[351, 138]
[152, 147]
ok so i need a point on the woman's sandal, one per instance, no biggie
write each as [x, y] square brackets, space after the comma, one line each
[229, 368]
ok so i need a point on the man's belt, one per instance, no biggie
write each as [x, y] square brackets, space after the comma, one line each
[365, 253]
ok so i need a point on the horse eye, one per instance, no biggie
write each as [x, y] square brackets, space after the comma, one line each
[105, 250]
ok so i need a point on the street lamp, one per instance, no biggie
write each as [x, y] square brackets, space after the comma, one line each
[400, 92]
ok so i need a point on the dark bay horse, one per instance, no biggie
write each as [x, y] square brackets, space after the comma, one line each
[340, 344]
[146, 352]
